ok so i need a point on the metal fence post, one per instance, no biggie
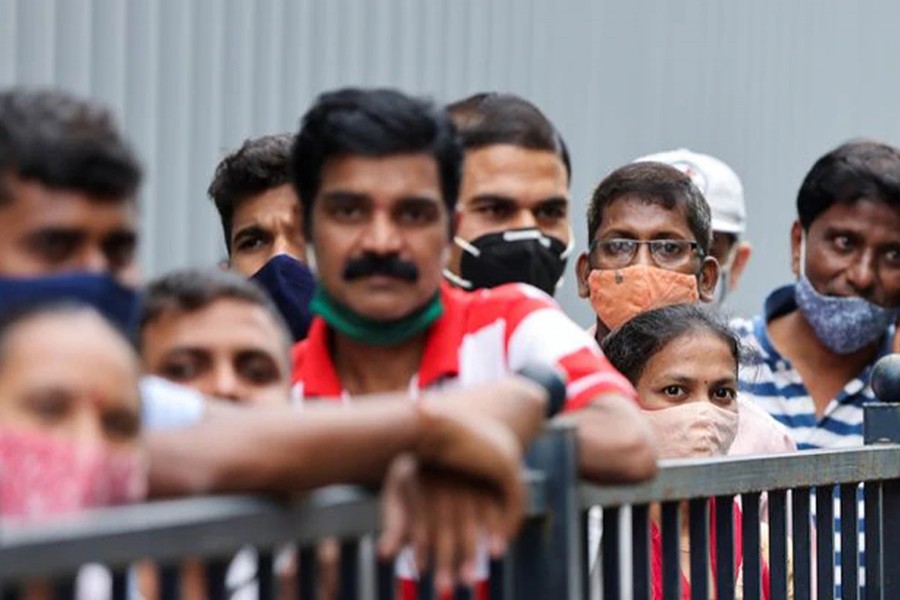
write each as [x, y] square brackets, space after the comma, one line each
[547, 557]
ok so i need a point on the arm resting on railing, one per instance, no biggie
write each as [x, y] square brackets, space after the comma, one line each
[615, 443]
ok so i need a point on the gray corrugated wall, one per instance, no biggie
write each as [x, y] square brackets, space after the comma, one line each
[765, 84]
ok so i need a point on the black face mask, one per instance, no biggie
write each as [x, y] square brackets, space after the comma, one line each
[513, 256]
[290, 284]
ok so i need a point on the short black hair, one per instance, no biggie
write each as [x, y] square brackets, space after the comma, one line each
[376, 123]
[259, 165]
[849, 173]
[64, 142]
[190, 290]
[630, 347]
[654, 183]
[491, 118]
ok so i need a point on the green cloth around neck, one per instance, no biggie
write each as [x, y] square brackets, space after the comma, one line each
[370, 332]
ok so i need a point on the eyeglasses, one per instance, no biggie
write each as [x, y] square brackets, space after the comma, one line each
[618, 253]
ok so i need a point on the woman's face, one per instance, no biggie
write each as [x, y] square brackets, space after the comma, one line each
[695, 367]
[69, 375]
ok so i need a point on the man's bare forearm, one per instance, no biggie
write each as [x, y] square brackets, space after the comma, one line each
[282, 450]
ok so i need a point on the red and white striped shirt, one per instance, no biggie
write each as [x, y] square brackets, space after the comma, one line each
[481, 337]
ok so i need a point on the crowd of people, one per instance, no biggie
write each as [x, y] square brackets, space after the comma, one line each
[389, 292]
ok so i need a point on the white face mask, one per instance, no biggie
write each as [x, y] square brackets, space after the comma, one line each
[721, 292]
[693, 429]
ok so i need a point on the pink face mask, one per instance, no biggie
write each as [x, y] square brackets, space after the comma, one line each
[693, 429]
[618, 295]
[43, 474]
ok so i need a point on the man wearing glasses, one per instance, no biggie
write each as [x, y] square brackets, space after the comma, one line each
[650, 236]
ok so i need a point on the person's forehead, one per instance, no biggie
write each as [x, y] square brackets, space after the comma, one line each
[503, 162]
[225, 324]
[696, 355]
[865, 215]
[644, 217]
[277, 203]
[50, 350]
[36, 205]
[385, 177]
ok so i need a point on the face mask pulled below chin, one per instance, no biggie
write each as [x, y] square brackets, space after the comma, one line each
[290, 284]
[45, 475]
[844, 324]
[619, 295]
[693, 429]
[117, 303]
[513, 256]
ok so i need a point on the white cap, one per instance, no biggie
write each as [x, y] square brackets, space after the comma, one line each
[717, 181]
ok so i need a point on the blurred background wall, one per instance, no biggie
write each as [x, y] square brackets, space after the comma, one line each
[766, 85]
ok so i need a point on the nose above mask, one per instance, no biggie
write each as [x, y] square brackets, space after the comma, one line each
[512, 256]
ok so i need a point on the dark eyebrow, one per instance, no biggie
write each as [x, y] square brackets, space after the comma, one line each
[493, 199]
[342, 196]
[411, 201]
[554, 202]
[253, 229]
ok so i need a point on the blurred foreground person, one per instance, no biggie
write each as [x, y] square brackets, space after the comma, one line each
[69, 414]
[262, 225]
[217, 333]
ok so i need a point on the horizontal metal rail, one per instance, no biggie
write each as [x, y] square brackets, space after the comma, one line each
[692, 478]
[214, 526]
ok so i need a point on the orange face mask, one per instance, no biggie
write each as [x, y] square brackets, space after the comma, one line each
[618, 295]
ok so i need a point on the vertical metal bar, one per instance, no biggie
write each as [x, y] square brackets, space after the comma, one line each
[585, 529]
[640, 552]
[64, 588]
[120, 584]
[671, 551]
[306, 573]
[825, 542]
[169, 582]
[698, 524]
[426, 586]
[462, 593]
[778, 544]
[724, 547]
[849, 543]
[874, 547]
[890, 538]
[609, 548]
[216, 569]
[349, 570]
[264, 575]
[801, 544]
[750, 550]
[547, 562]
[385, 578]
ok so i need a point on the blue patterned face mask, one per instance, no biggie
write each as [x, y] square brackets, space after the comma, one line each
[844, 324]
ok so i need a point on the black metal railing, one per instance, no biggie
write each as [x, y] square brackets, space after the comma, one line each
[549, 558]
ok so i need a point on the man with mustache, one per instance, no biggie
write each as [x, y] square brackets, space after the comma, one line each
[378, 174]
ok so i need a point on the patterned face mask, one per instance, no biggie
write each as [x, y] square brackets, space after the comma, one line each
[844, 324]
[43, 475]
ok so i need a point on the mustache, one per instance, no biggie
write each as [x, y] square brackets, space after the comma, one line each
[389, 265]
